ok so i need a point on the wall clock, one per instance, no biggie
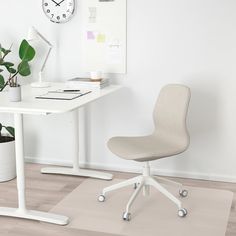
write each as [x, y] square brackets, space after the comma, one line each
[59, 11]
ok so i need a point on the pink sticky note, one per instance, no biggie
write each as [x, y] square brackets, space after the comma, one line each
[90, 35]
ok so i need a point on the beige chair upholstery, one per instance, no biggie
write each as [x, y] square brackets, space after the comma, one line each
[170, 137]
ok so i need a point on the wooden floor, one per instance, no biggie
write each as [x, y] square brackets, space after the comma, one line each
[44, 191]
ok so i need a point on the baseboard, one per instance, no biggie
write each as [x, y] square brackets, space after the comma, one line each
[128, 169]
[47, 161]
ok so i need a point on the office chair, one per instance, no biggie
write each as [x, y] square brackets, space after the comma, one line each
[169, 138]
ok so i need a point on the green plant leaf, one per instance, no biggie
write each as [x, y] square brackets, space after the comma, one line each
[10, 130]
[11, 70]
[24, 68]
[2, 81]
[7, 64]
[26, 52]
[5, 51]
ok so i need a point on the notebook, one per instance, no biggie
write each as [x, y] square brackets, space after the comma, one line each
[62, 95]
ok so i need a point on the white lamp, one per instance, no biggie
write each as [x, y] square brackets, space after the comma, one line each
[33, 34]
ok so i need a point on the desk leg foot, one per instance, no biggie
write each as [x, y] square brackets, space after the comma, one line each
[34, 215]
[77, 172]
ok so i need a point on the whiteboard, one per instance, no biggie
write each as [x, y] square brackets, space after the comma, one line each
[104, 35]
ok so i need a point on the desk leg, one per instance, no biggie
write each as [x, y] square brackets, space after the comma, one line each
[76, 170]
[22, 211]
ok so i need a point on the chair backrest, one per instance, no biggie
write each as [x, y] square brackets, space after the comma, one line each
[170, 114]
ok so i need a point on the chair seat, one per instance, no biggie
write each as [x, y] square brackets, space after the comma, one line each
[145, 148]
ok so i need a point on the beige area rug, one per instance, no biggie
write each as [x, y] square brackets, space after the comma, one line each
[208, 211]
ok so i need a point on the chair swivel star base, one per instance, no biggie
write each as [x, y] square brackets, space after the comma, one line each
[144, 182]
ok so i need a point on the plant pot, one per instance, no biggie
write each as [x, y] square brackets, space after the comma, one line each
[7, 159]
[15, 94]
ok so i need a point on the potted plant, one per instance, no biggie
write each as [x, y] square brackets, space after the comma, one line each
[7, 154]
[8, 71]
[26, 54]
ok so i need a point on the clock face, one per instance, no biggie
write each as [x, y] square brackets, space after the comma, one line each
[58, 11]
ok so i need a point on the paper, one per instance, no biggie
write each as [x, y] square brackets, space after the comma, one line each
[114, 56]
[92, 15]
[101, 38]
[62, 95]
[114, 52]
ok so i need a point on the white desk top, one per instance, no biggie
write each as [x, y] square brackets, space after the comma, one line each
[31, 105]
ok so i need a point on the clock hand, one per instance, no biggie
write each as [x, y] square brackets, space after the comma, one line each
[57, 4]
[61, 2]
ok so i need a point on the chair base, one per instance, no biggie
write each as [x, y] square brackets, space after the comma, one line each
[143, 182]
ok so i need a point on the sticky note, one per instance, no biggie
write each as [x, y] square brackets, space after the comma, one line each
[90, 35]
[101, 38]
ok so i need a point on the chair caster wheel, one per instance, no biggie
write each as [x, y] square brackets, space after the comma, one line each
[126, 216]
[101, 198]
[182, 212]
[183, 193]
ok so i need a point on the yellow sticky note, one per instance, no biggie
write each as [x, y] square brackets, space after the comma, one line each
[101, 38]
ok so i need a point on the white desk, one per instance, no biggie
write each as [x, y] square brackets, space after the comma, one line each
[30, 105]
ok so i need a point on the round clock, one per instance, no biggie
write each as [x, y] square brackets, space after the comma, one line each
[59, 11]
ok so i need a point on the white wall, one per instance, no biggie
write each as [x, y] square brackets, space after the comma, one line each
[185, 41]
